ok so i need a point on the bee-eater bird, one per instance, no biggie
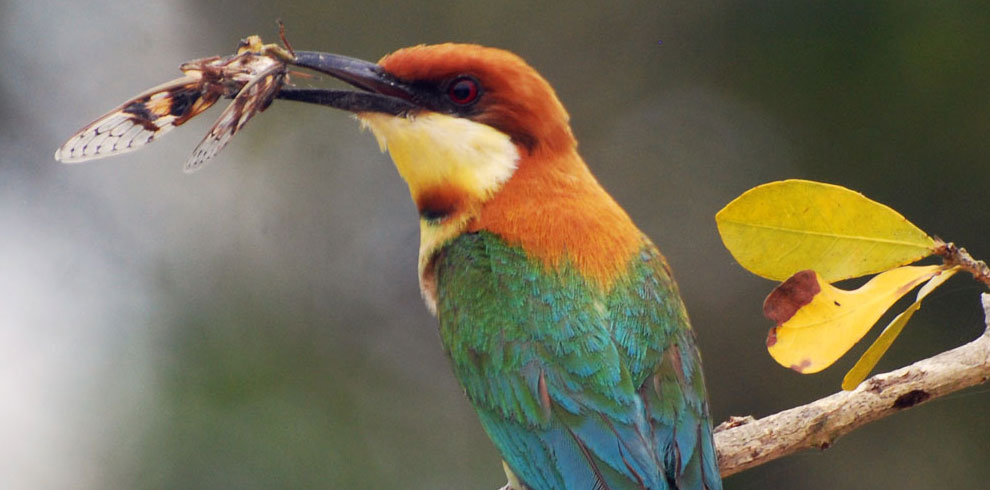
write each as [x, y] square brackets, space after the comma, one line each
[561, 319]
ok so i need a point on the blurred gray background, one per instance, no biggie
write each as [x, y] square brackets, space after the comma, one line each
[258, 324]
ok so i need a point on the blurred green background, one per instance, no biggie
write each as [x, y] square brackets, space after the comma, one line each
[258, 324]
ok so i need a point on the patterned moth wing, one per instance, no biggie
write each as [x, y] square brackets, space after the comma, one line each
[146, 117]
[267, 76]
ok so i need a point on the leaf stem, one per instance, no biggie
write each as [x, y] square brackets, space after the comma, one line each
[958, 256]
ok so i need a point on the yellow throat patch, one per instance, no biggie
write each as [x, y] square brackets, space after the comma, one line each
[447, 158]
[433, 149]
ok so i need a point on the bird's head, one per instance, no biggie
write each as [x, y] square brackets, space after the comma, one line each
[488, 86]
[457, 119]
[484, 144]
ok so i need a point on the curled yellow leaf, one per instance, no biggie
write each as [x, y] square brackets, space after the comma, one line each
[879, 347]
[775, 230]
[817, 323]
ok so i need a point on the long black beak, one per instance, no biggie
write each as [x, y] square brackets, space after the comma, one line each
[380, 92]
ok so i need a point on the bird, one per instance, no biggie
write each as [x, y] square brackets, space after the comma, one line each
[560, 317]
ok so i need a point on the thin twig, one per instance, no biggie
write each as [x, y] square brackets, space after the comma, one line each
[953, 255]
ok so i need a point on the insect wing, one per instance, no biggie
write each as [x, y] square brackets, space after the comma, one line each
[253, 98]
[138, 121]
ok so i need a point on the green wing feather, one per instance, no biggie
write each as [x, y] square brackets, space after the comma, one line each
[651, 327]
[576, 387]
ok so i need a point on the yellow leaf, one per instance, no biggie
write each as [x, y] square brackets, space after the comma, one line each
[777, 229]
[869, 359]
[817, 323]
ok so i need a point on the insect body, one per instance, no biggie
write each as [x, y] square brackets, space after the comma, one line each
[252, 77]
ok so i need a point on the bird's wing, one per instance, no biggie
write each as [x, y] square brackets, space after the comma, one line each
[534, 352]
[654, 336]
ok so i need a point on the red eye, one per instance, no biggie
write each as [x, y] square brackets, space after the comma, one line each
[463, 91]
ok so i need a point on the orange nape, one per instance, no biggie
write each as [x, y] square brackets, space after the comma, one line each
[556, 210]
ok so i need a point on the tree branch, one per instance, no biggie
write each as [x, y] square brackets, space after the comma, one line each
[743, 442]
